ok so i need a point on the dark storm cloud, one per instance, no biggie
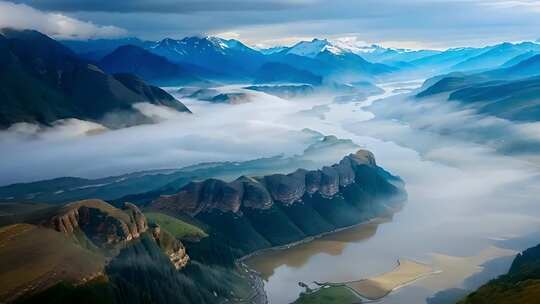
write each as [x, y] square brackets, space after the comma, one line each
[162, 6]
[403, 23]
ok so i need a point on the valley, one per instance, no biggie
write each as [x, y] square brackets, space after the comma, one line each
[417, 233]
[209, 167]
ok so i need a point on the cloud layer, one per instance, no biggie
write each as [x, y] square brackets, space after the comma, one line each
[399, 23]
[21, 16]
[215, 132]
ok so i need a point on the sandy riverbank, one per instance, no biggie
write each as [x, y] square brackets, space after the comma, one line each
[379, 286]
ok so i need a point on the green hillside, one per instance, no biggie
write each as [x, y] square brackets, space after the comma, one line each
[175, 226]
[520, 285]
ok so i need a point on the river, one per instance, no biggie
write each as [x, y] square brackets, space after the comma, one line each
[464, 200]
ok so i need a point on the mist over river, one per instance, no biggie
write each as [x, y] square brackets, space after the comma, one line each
[465, 200]
[467, 194]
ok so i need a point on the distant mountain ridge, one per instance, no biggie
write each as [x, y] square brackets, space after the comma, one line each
[42, 81]
[154, 68]
[229, 57]
[496, 55]
[96, 49]
[511, 93]
[229, 60]
[345, 59]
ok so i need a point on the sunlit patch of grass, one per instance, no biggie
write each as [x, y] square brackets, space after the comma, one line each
[176, 227]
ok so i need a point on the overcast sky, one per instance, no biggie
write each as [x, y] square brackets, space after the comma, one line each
[396, 23]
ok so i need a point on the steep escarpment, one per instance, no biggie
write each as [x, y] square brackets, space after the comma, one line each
[252, 213]
[104, 224]
[172, 247]
[190, 241]
[263, 192]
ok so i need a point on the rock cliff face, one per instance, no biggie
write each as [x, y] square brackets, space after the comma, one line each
[262, 192]
[107, 227]
[172, 247]
[102, 223]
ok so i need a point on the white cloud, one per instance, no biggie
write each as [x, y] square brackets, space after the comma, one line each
[214, 132]
[21, 16]
[513, 4]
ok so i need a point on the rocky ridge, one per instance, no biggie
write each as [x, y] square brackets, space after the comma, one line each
[104, 224]
[263, 192]
[109, 227]
[172, 247]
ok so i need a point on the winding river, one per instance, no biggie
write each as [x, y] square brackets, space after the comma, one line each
[465, 200]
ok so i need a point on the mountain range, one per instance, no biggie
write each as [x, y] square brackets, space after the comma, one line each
[511, 92]
[42, 81]
[228, 60]
[149, 66]
[188, 241]
[120, 70]
[217, 59]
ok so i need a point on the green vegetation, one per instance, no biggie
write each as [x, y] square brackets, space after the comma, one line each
[329, 295]
[141, 273]
[520, 285]
[176, 227]
[30, 253]
[279, 225]
[95, 291]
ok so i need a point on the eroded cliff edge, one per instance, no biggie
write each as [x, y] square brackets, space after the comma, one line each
[253, 213]
[92, 239]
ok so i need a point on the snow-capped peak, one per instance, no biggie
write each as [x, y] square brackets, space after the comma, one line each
[314, 47]
[357, 46]
[271, 50]
[338, 46]
[218, 42]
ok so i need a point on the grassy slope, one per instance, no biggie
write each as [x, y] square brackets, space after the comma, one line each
[32, 254]
[329, 295]
[176, 227]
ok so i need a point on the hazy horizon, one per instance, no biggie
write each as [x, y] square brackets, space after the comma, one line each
[282, 22]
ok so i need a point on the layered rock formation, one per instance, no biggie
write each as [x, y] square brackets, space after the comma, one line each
[107, 227]
[262, 192]
[172, 247]
[102, 223]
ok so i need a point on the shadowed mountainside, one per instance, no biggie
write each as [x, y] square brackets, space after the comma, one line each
[42, 81]
[510, 93]
[520, 285]
[254, 213]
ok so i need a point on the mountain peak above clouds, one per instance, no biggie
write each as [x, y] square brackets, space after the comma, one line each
[353, 45]
[208, 43]
[313, 48]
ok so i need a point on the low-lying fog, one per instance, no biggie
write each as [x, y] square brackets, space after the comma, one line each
[214, 132]
[472, 180]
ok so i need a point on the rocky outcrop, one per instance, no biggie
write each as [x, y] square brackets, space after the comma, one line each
[102, 223]
[256, 195]
[284, 91]
[209, 194]
[232, 98]
[262, 192]
[287, 188]
[107, 227]
[171, 246]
